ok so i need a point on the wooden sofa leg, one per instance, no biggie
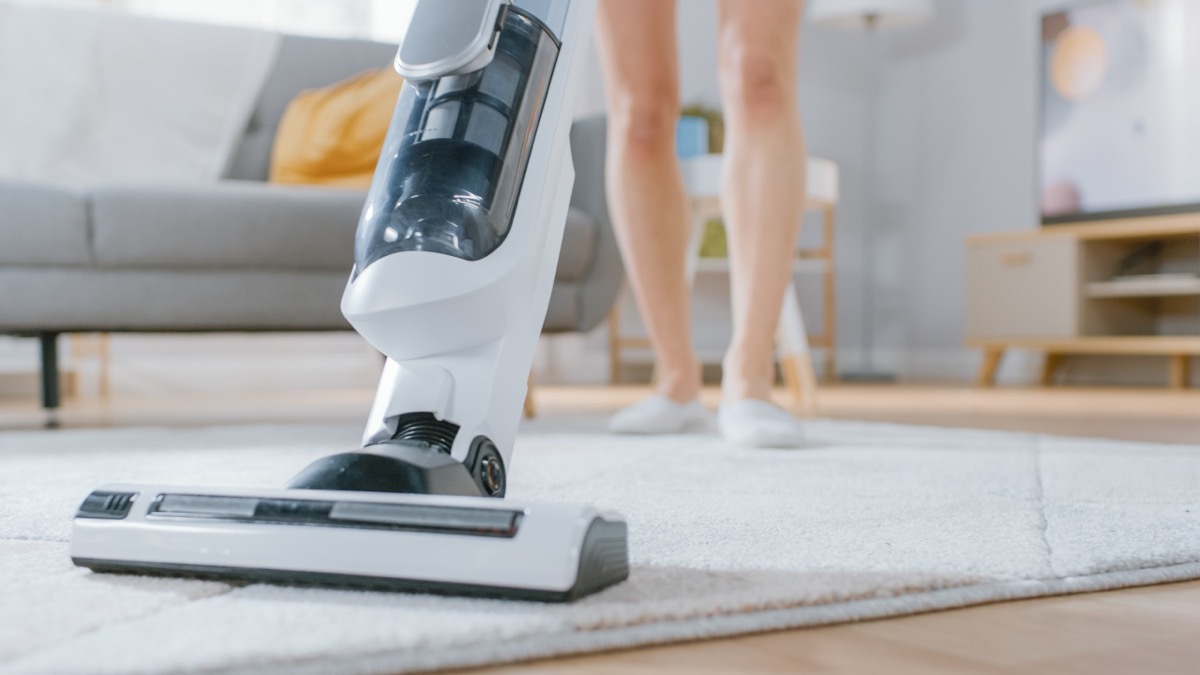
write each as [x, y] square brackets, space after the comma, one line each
[991, 363]
[50, 394]
[530, 405]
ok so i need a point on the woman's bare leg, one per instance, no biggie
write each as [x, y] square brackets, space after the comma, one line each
[764, 181]
[646, 195]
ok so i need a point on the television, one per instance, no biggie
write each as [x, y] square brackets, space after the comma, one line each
[1119, 134]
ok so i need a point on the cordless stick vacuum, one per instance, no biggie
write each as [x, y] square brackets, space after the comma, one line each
[455, 257]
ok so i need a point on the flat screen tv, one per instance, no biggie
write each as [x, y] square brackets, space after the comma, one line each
[1120, 110]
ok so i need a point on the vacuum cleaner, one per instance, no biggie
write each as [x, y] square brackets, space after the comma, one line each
[455, 256]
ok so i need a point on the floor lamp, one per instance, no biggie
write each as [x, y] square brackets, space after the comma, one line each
[870, 15]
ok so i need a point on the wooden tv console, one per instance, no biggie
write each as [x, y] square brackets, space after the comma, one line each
[1116, 287]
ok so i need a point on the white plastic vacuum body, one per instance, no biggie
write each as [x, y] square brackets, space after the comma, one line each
[459, 240]
[454, 262]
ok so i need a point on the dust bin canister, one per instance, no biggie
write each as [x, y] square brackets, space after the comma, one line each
[456, 153]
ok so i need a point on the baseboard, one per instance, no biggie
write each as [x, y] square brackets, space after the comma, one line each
[28, 385]
[142, 365]
[151, 364]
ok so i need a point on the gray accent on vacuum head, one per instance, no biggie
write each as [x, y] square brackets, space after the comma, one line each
[396, 466]
[415, 460]
[474, 521]
[339, 513]
[107, 505]
[603, 559]
[302, 511]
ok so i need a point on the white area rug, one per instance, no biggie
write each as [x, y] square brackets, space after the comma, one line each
[872, 521]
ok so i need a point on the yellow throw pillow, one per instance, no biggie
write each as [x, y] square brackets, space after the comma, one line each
[333, 136]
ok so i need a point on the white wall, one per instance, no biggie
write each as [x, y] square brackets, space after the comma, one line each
[834, 77]
[956, 126]
[834, 68]
[953, 125]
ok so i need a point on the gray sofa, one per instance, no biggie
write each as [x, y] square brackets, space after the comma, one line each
[242, 255]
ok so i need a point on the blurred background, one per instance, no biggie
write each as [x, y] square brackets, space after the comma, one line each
[963, 120]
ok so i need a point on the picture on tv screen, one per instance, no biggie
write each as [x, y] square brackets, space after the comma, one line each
[1120, 110]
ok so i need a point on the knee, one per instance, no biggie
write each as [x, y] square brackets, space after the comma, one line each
[755, 81]
[644, 122]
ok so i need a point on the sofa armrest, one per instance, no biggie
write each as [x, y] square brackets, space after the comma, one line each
[583, 302]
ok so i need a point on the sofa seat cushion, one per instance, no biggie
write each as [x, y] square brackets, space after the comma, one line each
[231, 224]
[37, 299]
[251, 225]
[42, 225]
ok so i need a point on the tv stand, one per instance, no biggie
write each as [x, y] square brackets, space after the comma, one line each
[1116, 287]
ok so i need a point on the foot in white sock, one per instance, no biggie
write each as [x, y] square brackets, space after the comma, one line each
[658, 415]
[760, 424]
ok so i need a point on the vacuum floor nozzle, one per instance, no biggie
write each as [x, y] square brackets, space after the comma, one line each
[421, 543]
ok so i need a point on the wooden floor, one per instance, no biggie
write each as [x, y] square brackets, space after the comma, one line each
[1144, 630]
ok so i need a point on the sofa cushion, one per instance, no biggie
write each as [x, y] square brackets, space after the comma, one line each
[334, 135]
[42, 225]
[303, 63]
[233, 224]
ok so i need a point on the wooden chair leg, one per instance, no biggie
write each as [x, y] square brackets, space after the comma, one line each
[1179, 371]
[1049, 366]
[795, 358]
[530, 407]
[105, 356]
[829, 302]
[801, 381]
[614, 344]
[991, 363]
[831, 374]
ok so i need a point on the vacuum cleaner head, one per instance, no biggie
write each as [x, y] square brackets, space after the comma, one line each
[416, 543]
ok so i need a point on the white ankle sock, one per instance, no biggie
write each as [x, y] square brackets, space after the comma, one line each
[658, 415]
[760, 424]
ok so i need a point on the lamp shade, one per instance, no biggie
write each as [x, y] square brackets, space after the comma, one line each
[860, 13]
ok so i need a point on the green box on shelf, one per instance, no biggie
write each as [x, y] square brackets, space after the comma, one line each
[713, 244]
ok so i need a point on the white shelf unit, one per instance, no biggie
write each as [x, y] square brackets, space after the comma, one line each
[1145, 286]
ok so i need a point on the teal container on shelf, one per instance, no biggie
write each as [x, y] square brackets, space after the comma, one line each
[691, 137]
